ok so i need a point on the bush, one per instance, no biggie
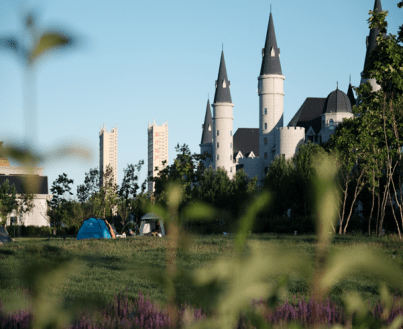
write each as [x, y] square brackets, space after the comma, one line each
[285, 225]
[40, 231]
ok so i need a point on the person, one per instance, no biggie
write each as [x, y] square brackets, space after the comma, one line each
[130, 233]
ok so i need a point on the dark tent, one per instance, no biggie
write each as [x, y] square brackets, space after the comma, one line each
[4, 237]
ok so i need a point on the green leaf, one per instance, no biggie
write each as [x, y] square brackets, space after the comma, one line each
[48, 41]
[360, 260]
[200, 211]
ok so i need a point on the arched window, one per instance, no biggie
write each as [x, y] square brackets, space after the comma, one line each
[331, 124]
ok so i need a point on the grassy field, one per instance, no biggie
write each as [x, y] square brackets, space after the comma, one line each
[106, 267]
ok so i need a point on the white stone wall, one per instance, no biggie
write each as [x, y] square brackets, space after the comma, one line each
[337, 118]
[21, 170]
[37, 217]
[372, 82]
[157, 150]
[253, 167]
[223, 142]
[108, 150]
[271, 97]
[289, 140]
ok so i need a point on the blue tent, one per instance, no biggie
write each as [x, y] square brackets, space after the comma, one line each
[93, 228]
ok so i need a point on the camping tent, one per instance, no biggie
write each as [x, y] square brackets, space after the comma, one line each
[95, 228]
[4, 237]
[151, 223]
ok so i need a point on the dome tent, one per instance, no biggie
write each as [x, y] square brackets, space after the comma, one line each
[95, 228]
[151, 223]
[4, 237]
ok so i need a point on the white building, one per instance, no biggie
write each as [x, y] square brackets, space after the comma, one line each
[253, 149]
[33, 181]
[108, 152]
[157, 150]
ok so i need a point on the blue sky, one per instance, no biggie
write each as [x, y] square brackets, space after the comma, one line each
[136, 61]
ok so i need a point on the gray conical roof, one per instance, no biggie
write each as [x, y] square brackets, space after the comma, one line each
[373, 34]
[337, 101]
[222, 93]
[207, 135]
[350, 95]
[271, 53]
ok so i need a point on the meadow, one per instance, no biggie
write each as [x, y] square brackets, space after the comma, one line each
[103, 268]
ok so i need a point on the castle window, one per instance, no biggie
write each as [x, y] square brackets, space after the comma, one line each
[265, 155]
[230, 133]
[209, 127]
[230, 157]
[265, 126]
[218, 145]
[218, 132]
[331, 124]
[230, 169]
[265, 140]
[230, 145]
[218, 157]
[265, 111]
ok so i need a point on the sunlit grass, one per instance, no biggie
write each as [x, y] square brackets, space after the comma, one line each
[105, 267]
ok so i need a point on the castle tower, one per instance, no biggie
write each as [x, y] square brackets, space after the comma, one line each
[371, 44]
[206, 144]
[222, 122]
[271, 96]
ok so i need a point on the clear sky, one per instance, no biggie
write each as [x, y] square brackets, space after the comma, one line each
[142, 60]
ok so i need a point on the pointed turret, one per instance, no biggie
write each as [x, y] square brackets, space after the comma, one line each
[373, 34]
[207, 135]
[222, 92]
[350, 94]
[271, 53]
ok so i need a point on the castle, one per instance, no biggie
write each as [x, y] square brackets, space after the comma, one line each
[253, 149]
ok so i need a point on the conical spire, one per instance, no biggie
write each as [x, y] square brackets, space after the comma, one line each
[207, 135]
[373, 34]
[222, 93]
[271, 53]
[350, 94]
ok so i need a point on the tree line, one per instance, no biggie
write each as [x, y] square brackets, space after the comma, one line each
[117, 203]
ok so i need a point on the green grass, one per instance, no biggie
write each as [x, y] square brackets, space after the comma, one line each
[106, 267]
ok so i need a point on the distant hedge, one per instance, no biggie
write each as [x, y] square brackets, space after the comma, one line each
[38, 231]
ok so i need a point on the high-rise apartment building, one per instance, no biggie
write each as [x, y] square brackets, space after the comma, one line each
[157, 150]
[108, 152]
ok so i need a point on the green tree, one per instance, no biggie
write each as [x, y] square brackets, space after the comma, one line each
[383, 112]
[57, 210]
[303, 162]
[105, 201]
[186, 170]
[279, 181]
[351, 153]
[128, 190]
[8, 201]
